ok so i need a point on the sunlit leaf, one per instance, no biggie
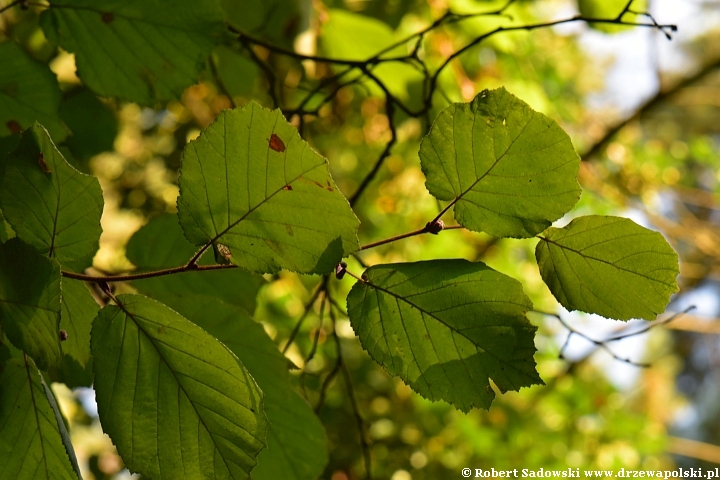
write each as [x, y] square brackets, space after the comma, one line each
[610, 9]
[251, 183]
[160, 244]
[174, 400]
[31, 445]
[510, 170]
[446, 327]
[29, 93]
[49, 204]
[610, 266]
[30, 301]
[296, 445]
[140, 51]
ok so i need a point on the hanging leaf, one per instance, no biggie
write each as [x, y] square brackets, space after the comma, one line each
[29, 93]
[273, 209]
[139, 51]
[174, 400]
[446, 327]
[79, 308]
[161, 244]
[610, 266]
[30, 301]
[296, 444]
[509, 170]
[49, 204]
[31, 444]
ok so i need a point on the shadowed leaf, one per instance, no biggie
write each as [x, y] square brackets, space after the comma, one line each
[446, 327]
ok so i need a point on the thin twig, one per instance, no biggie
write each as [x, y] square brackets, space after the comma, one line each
[308, 306]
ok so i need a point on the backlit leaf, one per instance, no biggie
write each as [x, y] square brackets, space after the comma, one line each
[610, 266]
[446, 327]
[296, 444]
[31, 445]
[273, 209]
[49, 204]
[30, 301]
[510, 170]
[174, 400]
[137, 50]
[79, 308]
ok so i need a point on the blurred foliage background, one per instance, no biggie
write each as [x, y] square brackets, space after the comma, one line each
[643, 113]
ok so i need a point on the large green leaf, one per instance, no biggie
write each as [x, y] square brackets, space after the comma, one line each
[251, 183]
[141, 51]
[510, 170]
[610, 266]
[161, 244]
[30, 301]
[29, 92]
[31, 445]
[174, 400]
[79, 308]
[49, 204]
[296, 445]
[446, 327]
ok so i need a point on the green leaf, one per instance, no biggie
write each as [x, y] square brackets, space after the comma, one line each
[296, 444]
[30, 301]
[49, 204]
[237, 73]
[610, 9]
[251, 183]
[79, 308]
[510, 170]
[140, 51]
[610, 266]
[174, 400]
[160, 244]
[31, 445]
[446, 327]
[93, 125]
[352, 36]
[29, 92]
[278, 21]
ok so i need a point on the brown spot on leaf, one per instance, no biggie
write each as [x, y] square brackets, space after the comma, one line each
[287, 187]
[63, 335]
[289, 230]
[329, 187]
[276, 143]
[107, 17]
[43, 164]
[13, 126]
[224, 250]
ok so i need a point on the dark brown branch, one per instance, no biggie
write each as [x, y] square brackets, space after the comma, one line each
[658, 99]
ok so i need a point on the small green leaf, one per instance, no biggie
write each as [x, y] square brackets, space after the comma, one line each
[31, 445]
[49, 204]
[446, 327]
[174, 400]
[79, 308]
[610, 266]
[510, 170]
[251, 183]
[161, 244]
[610, 9]
[140, 51]
[30, 301]
[296, 444]
[29, 92]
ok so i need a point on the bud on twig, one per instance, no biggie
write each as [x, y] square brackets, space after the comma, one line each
[434, 227]
[340, 270]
